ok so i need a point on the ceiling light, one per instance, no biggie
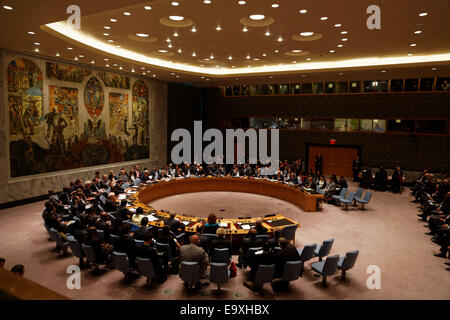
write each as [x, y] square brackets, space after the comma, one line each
[31, 32]
[106, 34]
[36, 50]
[410, 54]
[57, 54]
[242, 2]
[113, 20]
[296, 50]
[211, 56]
[230, 58]
[303, 11]
[76, 58]
[218, 28]
[206, 1]
[307, 34]
[106, 59]
[92, 61]
[107, 65]
[194, 54]
[275, 5]
[176, 18]
[340, 45]
[111, 41]
[115, 64]
[244, 29]
[207, 79]
[175, 4]
[154, 75]
[170, 45]
[177, 76]
[276, 51]
[175, 34]
[423, 14]
[118, 46]
[37, 44]
[255, 59]
[81, 56]
[148, 8]
[132, 70]
[7, 8]
[324, 18]
[383, 71]
[340, 73]
[107, 27]
[193, 29]
[338, 25]
[142, 35]
[280, 39]
[345, 39]
[418, 32]
[248, 56]
[162, 51]
[413, 45]
[332, 51]
[308, 59]
[168, 40]
[434, 69]
[127, 13]
[142, 68]
[257, 17]
[120, 68]
[267, 33]
[180, 51]
[69, 48]
[264, 54]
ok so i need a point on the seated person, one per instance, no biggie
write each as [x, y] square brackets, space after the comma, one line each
[193, 253]
[146, 251]
[250, 242]
[101, 249]
[110, 204]
[260, 229]
[123, 211]
[221, 242]
[380, 179]
[175, 225]
[342, 183]
[166, 237]
[287, 253]
[330, 189]
[211, 226]
[126, 244]
[265, 257]
[140, 232]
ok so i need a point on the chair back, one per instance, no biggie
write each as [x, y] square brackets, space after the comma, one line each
[358, 193]
[343, 192]
[111, 215]
[351, 196]
[164, 247]
[251, 251]
[218, 273]
[288, 232]
[350, 260]
[221, 255]
[75, 247]
[367, 196]
[121, 262]
[145, 267]
[190, 272]
[59, 240]
[100, 234]
[330, 265]
[265, 273]
[263, 237]
[103, 199]
[276, 249]
[138, 242]
[308, 252]
[291, 270]
[90, 253]
[326, 247]
[210, 235]
[49, 230]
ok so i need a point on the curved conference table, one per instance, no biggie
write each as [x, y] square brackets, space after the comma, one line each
[236, 229]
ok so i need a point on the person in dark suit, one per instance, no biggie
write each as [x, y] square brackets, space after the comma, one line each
[220, 243]
[140, 232]
[287, 253]
[166, 237]
[123, 211]
[266, 257]
[356, 165]
[318, 162]
[175, 225]
[310, 183]
[249, 242]
[342, 183]
[126, 244]
[380, 179]
[146, 251]
[260, 229]
[101, 249]
[110, 204]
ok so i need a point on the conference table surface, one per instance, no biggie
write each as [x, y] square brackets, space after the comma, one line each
[147, 192]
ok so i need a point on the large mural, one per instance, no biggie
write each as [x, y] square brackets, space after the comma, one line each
[114, 80]
[69, 127]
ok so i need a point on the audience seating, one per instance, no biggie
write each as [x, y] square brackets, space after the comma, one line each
[340, 196]
[349, 200]
[76, 249]
[91, 256]
[347, 262]
[326, 268]
[322, 250]
[190, 274]
[60, 244]
[288, 232]
[358, 195]
[365, 200]
[306, 254]
[146, 269]
[221, 255]
[121, 262]
[291, 271]
[219, 274]
[138, 242]
[165, 248]
[264, 274]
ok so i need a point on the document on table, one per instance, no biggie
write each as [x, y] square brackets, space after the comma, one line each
[223, 225]
[152, 218]
[245, 226]
[122, 196]
[185, 222]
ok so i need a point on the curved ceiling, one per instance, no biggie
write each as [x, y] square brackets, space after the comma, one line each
[225, 39]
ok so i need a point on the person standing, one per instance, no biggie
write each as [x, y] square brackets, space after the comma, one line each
[356, 168]
[318, 164]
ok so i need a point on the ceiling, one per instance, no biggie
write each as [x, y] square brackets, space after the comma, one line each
[229, 47]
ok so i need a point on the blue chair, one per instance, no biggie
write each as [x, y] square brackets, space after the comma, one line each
[349, 200]
[322, 250]
[358, 195]
[190, 274]
[52, 238]
[347, 262]
[146, 269]
[101, 234]
[164, 248]
[306, 254]
[76, 249]
[264, 274]
[326, 268]
[292, 270]
[276, 249]
[340, 196]
[103, 199]
[210, 236]
[219, 274]
[319, 190]
[91, 256]
[221, 255]
[263, 237]
[288, 232]
[61, 245]
[250, 254]
[121, 262]
[365, 200]
[136, 181]
[138, 242]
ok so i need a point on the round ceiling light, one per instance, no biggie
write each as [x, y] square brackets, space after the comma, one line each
[242, 2]
[257, 20]
[324, 18]
[307, 34]
[257, 17]
[296, 50]
[176, 21]
[163, 51]
[113, 20]
[303, 11]
[148, 8]
[275, 5]
[176, 18]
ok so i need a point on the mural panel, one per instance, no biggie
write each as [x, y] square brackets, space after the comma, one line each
[114, 80]
[66, 72]
[118, 114]
[94, 98]
[140, 113]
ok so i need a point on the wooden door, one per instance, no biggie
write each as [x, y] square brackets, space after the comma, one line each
[336, 160]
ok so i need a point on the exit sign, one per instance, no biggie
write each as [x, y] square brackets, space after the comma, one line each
[332, 141]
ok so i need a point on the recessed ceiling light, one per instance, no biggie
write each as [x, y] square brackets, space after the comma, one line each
[36, 50]
[340, 73]
[132, 70]
[93, 62]
[324, 18]
[168, 40]
[211, 56]
[115, 64]
[175, 34]
[106, 34]
[218, 28]
[332, 51]
[267, 33]
[413, 45]
[148, 8]
[308, 59]
[296, 50]
[57, 54]
[280, 39]
[120, 68]
[117, 46]
[81, 56]
[418, 32]
[276, 51]
[180, 51]
[193, 29]
[206, 1]
[31, 32]
[107, 65]
[264, 54]
[163, 51]
[69, 48]
[113, 20]
[303, 11]
[107, 27]
[307, 34]
[248, 57]
[344, 32]
[37, 44]
[127, 13]
[257, 17]
[175, 4]
[142, 35]
[230, 58]
[110, 40]
[340, 45]
[275, 5]
[423, 14]
[154, 75]
[106, 59]
[383, 71]
[434, 69]
[244, 29]
[338, 25]
[410, 54]
[177, 76]
[7, 7]
[176, 18]
[344, 39]
[207, 79]
[142, 68]
[242, 2]
[76, 58]
[170, 45]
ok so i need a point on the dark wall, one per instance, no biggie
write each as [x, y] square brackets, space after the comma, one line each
[409, 152]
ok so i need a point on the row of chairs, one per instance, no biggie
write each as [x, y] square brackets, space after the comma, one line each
[353, 197]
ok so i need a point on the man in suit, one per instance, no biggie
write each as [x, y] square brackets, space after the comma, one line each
[318, 164]
[139, 233]
[287, 253]
[146, 251]
[260, 229]
[174, 224]
[110, 204]
[265, 257]
[193, 253]
[249, 242]
[221, 242]
[123, 212]
[356, 165]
